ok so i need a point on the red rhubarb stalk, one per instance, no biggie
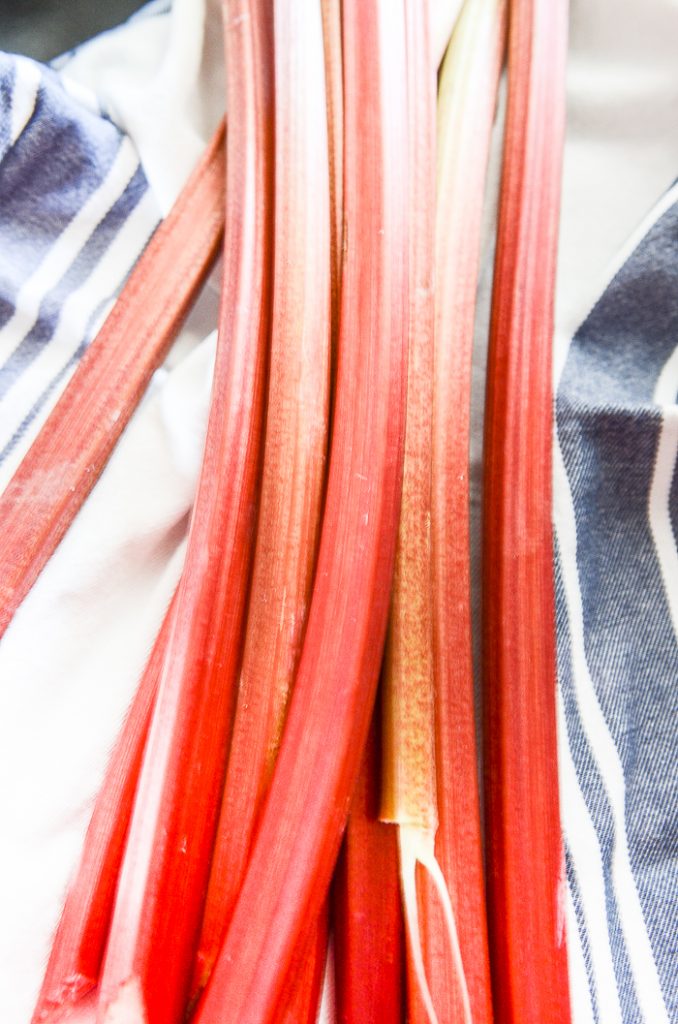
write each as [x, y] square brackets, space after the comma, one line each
[148, 964]
[303, 817]
[466, 104]
[294, 458]
[80, 940]
[524, 844]
[368, 920]
[300, 1001]
[68, 455]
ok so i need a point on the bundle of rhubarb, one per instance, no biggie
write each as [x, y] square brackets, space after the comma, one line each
[300, 760]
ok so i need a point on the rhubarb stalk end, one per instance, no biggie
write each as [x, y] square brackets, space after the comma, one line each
[416, 845]
[127, 1006]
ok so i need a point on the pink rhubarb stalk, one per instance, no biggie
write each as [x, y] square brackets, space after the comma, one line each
[368, 922]
[80, 940]
[300, 1001]
[149, 959]
[294, 460]
[524, 843]
[304, 814]
[72, 448]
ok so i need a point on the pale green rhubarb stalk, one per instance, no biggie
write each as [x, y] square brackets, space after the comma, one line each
[294, 459]
[156, 920]
[80, 940]
[409, 798]
[68, 455]
[524, 843]
[299, 831]
[444, 14]
[368, 921]
[466, 106]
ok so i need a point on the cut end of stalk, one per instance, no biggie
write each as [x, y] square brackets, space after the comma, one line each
[416, 845]
[58, 1004]
[127, 1007]
[81, 1010]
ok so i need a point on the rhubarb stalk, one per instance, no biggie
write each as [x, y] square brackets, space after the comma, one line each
[524, 843]
[300, 1001]
[331, 15]
[294, 459]
[80, 939]
[368, 920]
[298, 836]
[158, 908]
[68, 455]
[409, 797]
[466, 105]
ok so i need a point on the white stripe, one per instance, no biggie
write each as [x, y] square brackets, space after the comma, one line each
[77, 311]
[24, 95]
[582, 842]
[666, 389]
[66, 249]
[580, 995]
[606, 757]
[566, 330]
[659, 513]
[82, 94]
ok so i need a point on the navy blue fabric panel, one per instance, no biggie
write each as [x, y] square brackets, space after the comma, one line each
[620, 349]
[630, 646]
[59, 160]
[608, 431]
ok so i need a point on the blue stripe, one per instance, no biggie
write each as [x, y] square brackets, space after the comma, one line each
[81, 268]
[59, 160]
[53, 385]
[56, 381]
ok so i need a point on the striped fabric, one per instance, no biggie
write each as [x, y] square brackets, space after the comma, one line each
[75, 213]
[616, 518]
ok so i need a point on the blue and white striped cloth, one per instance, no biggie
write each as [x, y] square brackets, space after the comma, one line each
[616, 519]
[75, 213]
[76, 210]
